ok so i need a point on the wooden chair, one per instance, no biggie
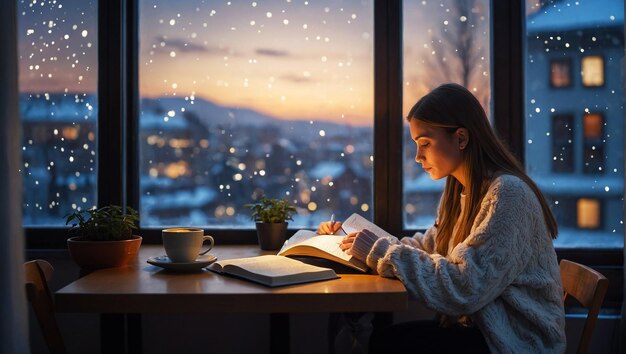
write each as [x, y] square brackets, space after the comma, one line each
[588, 287]
[37, 274]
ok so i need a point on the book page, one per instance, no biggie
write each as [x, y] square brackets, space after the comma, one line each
[325, 243]
[273, 270]
[357, 223]
[271, 266]
[299, 236]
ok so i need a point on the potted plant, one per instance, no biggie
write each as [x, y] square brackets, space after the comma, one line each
[271, 217]
[103, 237]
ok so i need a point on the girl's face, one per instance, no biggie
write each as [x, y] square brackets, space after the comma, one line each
[439, 152]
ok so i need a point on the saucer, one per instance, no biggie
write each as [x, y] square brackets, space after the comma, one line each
[165, 262]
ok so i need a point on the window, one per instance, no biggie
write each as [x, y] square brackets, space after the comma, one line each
[592, 126]
[592, 71]
[588, 213]
[566, 212]
[593, 159]
[561, 73]
[587, 145]
[562, 139]
[58, 106]
[173, 164]
[243, 99]
[447, 41]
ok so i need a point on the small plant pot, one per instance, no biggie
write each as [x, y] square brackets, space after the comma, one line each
[103, 254]
[271, 235]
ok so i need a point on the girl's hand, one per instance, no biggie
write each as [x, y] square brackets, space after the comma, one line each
[328, 228]
[346, 243]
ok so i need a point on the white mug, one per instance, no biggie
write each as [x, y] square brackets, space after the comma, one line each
[183, 244]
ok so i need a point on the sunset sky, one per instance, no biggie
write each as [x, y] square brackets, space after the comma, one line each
[290, 59]
[286, 58]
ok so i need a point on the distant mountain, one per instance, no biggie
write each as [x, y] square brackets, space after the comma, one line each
[209, 112]
[212, 114]
[73, 107]
[58, 107]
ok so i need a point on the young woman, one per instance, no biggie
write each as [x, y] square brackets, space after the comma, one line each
[488, 265]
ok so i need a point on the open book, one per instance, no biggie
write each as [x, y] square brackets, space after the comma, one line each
[308, 243]
[272, 270]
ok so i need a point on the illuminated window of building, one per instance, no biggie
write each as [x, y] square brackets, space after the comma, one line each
[588, 213]
[592, 71]
[562, 143]
[561, 73]
[592, 126]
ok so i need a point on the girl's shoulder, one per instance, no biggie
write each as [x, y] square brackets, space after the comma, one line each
[508, 184]
[511, 195]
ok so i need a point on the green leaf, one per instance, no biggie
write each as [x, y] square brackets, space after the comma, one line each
[271, 210]
[106, 223]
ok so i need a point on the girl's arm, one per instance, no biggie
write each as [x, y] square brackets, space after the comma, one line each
[478, 269]
[424, 241]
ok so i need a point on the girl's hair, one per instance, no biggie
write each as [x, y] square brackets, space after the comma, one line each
[452, 106]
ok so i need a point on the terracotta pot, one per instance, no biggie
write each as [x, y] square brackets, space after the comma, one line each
[271, 235]
[103, 254]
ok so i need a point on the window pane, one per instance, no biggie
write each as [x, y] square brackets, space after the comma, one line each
[240, 99]
[589, 34]
[593, 160]
[561, 73]
[444, 41]
[588, 213]
[592, 71]
[593, 124]
[562, 143]
[58, 105]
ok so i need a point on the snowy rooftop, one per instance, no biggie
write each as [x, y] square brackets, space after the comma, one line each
[196, 198]
[423, 183]
[328, 169]
[573, 185]
[58, 108]
[576, 185]
[153, 121]
[571, 15]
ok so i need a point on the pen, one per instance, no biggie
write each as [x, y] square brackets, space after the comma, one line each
[333, 221]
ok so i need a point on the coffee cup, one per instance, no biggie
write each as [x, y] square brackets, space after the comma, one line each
[183, 245]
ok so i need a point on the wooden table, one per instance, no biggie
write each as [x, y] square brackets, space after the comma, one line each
[122, 294]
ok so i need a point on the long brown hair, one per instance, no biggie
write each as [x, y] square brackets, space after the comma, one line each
[452, 106]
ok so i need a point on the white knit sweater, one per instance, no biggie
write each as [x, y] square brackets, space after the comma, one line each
[505, 275]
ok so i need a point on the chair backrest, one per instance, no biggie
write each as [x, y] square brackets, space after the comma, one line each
[588, 287]
[38, 273]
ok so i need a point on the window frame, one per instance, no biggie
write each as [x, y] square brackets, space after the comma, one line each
[118, 101]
